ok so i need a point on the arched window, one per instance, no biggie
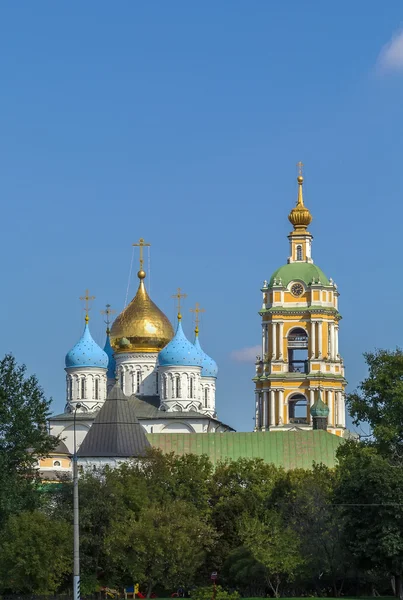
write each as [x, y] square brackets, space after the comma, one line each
[122, 381]
[156, 383]
[138, 382]
[96, 389]
[82, 388]
[57, 463]
[206, 397]
[299, 252]
[165, 387]
[191, 387]
[177, 386]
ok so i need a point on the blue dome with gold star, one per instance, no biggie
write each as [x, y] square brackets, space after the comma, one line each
[209, 366]
[180, 352]
[87, 353]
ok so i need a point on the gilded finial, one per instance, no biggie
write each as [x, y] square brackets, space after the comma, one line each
[108, 312]
[87, 299]
[300, 216]
[197, 310]
[179, 296]
[141, 244]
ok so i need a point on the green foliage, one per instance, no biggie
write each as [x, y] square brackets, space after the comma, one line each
[379, 401]
[243, 571]
[164, 546]
[369, 492]
[23, 437]
[207, 593]
[35, 554]
[275, 546]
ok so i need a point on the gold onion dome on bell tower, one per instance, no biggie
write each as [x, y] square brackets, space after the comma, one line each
[300, 216]
[141, 326]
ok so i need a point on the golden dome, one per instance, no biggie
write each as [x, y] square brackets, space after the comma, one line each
[141, 326]
[300, 216]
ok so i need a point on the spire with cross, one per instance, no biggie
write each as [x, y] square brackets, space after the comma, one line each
[141, 244]
[87, 299]
[179, 296]
[299, 166]
[197, 310]
[108, 312]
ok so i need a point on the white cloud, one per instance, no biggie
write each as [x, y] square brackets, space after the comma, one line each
[246, 355]
[391, 55]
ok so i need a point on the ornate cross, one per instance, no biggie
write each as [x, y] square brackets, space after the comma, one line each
[300, 165]
[141, 243]
[179, 296]
[108, 312]
[197, 310]
[87, 299]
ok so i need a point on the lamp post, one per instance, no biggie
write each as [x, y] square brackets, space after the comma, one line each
[76, 531]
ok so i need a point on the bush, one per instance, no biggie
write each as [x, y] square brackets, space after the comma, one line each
[206, 593]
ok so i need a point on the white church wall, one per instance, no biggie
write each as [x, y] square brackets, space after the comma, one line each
[179, 388]
[137, 373]
[86, 386]
[207, 395]
[66, 432]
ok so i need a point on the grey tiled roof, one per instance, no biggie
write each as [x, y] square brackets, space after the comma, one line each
[116, 430]
[146, 407]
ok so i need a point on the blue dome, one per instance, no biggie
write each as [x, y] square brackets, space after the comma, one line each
[209, 366]
[86, 353]
[111, 373]
[180, 352]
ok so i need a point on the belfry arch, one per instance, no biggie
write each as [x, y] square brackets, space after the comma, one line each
[297, 350]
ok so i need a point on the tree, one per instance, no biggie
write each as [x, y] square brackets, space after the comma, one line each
[163, 546]
[305, 500]
[242, 571]
[35, 553]
[23, 436]
[241, 487]
[104, 494]
[368, 493]
[379, 402]
[274, 545]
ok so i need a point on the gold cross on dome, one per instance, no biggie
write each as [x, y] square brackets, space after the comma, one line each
[299, 166]
[108, 312]
[179, 296]
[141, 243]
[197, 310]
[87, 299]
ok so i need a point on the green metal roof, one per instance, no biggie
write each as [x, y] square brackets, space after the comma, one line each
[302, 271]
[288, 449]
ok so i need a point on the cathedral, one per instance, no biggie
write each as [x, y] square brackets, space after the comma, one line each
[151, 386]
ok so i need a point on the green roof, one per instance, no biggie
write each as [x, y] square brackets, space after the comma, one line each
[288, 449]
[306, 272]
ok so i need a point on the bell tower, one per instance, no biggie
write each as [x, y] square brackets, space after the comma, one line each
[300, 348]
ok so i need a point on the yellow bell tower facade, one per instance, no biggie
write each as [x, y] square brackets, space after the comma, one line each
[300, 332]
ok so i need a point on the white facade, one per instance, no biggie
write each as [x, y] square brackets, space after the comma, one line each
[180, 388]
[207, 395]
[137, 373]
[87, 386]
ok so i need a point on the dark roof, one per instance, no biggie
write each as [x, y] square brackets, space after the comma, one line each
[116, 430]
[146, 407]
[287, 449]
[61, 448]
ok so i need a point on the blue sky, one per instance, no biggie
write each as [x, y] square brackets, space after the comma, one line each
[182, 123]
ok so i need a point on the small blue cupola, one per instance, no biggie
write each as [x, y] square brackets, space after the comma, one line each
[87, 353]
[179, 351]
[209, 366]
[111, 373]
